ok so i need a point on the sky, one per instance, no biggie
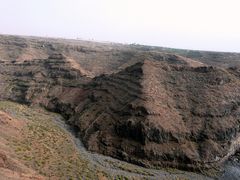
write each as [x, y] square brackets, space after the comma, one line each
[186, 24]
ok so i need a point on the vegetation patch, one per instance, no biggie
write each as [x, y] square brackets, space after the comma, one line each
[44, 146]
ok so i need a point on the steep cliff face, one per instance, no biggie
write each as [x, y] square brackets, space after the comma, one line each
[161, 114]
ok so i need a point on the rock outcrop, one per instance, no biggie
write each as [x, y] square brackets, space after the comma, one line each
[161, 114]
[150, 108]
[38, 81]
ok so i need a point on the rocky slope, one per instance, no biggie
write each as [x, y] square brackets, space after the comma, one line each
[37, 81]
[34, 141]
[161, 114]
[150, 107]
[152, 113]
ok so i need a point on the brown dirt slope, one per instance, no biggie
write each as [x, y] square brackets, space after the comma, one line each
[10, 166]
[153, 107]
[151, 113]
[156, 113]
[33, 146]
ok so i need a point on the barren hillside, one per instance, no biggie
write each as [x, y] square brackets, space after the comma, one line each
[97, 58]
[150, 106]
[163, 114]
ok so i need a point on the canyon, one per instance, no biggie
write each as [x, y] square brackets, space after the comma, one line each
[150, 106]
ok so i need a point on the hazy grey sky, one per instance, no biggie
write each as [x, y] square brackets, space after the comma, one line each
[192, 24]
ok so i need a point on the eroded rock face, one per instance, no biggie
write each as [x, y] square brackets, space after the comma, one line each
[41, 81]
[160, 114]
[168, 113]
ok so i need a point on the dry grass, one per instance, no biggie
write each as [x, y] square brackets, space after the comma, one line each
[45, 147]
